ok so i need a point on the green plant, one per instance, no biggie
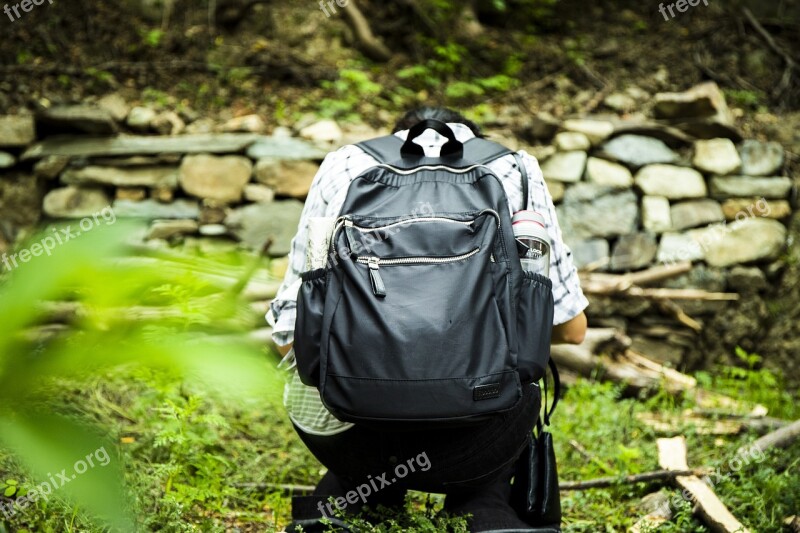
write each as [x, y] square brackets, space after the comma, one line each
[347, 93]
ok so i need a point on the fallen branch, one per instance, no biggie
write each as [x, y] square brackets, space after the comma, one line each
[672, 456]
[791, 64]
[617, 363]
[370, 45]
[780, 438]
[605, 482]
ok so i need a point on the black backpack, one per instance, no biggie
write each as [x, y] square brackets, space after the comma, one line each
[424, 313]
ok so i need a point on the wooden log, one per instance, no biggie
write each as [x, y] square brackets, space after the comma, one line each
[708, 507]
[617, 363]
[780, 438]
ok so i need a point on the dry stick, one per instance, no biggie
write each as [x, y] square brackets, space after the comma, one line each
[780, 438]
[672, 456]
[599, 483]
[604, 482]
[791, 65]
[370, 45]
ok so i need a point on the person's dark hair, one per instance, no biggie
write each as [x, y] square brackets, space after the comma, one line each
[415, 116]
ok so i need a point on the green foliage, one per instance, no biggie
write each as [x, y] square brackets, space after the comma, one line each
[747, 99]
[346, 94]
[40, 431]
[152, 37]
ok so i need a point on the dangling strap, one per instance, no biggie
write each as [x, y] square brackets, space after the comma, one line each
[524, 175]
[556, 391]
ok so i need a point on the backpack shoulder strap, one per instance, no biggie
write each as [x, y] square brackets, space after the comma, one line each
[479, 151]
[483, 151]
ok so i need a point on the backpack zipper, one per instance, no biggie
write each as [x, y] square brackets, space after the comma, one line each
[374, 264]
[350, 224]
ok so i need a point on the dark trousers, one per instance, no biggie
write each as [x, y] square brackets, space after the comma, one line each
[456, 461]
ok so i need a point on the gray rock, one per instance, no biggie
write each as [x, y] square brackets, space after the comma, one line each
[569, 141]
[752, 239]
[695, 213]
[169, 229]
[286, 178]
[214, 177]
[604, 172]
[543, 126]
[152, 209]
[74, 202]
[565, 166]
[213, 230]
[20, 202]
[606, 216]
[326, 131]
[761, 159]
[556, 189]
[256, 225]
[636, 151]
[620, 102]
[152, 177]
[596, 131]
[671, 182]
[634, 251]
[140, 118]
[703, 100]
[17, 130]
[700, 277]
[586, 192]
[7, 160]
[260, 194]
[131, 145]
[79, 118]
[284, 148]
[677, 247]
[245, 124]
[733, 186]
[716, 156]
[115, 105]
[168, 123]
[738, 208]
[51, 166]
[656, 216]
[590, 252]
[747, 279]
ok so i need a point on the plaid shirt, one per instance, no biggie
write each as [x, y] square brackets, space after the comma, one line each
[325, 199]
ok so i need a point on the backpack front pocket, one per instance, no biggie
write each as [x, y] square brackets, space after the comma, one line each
[417, 323]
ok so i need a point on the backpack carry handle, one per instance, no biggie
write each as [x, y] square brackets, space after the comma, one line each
[452, 148]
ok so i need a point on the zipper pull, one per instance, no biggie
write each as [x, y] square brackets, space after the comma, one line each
[378, 287]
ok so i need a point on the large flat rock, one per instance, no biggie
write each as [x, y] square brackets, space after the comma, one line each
[128, 145]
[145, 176]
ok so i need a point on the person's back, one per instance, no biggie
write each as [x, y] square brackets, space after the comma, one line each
[471, 465]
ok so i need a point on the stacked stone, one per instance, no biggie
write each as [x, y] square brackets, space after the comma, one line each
[634, 195]
[230, 181]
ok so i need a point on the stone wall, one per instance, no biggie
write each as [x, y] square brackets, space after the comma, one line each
[632, 190]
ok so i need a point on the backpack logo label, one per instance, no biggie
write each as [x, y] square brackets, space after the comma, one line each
[486, 392]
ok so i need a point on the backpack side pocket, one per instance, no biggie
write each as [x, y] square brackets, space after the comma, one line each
[308, 326]
[534, 326]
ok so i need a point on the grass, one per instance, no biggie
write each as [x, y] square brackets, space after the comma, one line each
[197, 456]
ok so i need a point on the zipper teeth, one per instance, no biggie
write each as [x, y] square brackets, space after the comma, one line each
[432, 167]
[412, 260]
[412, 221]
